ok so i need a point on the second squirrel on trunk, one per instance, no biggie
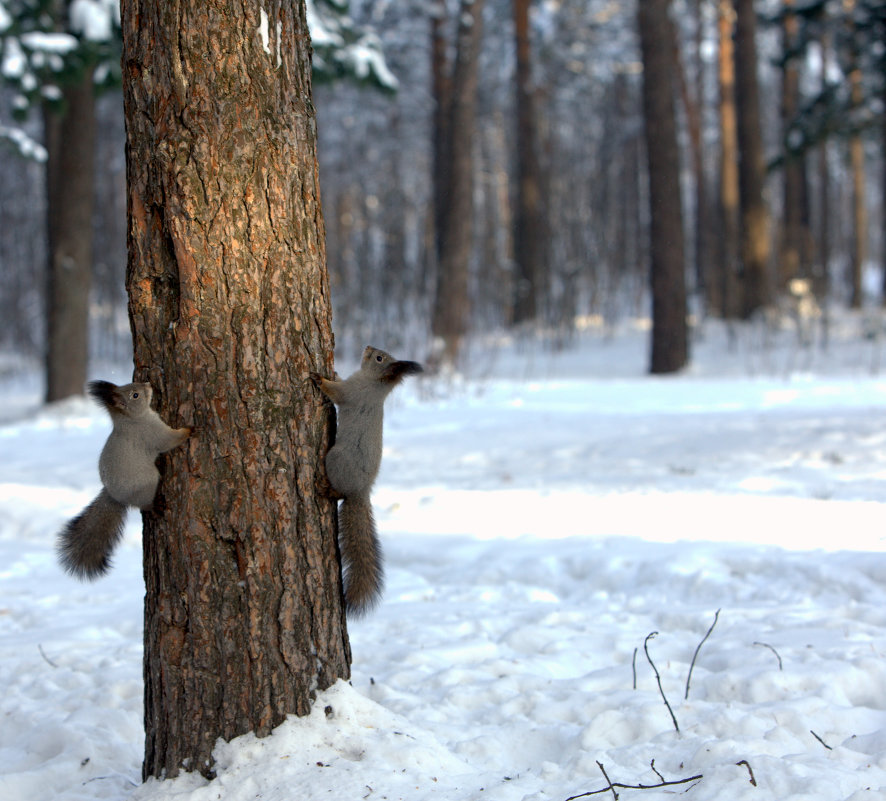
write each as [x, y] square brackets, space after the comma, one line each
[128, 472]
[352, 466]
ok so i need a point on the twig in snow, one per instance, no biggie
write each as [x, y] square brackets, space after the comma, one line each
[43, 654]
[767, 645]
[748, 766]
[655, 770]
[830, 748]
[697, 649]
[658, 677]
[634, 668]
[612, 785]
[606, 776]
[115, 775]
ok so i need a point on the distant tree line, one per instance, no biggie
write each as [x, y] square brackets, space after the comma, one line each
[510, 180]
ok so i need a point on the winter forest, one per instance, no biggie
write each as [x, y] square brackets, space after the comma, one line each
[630, 514]
[497, 175]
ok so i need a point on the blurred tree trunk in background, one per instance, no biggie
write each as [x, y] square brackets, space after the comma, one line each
[728, 257]
[858, 240]
[229, 307]
[70, 144]
[692, 100]
[528, 220]
[670, 347]
[883, 192]
[823, 224]
[441, 91]
[795, 232]
[455, 218]
[755, 245]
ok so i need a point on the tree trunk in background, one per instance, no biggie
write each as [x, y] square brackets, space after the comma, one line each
[729, 258]
[795, 215]
[70, 143]
[441, 91]
[455, 234]
[691, 101]
[858, 242]
[670, 349]
[883, 195]
[528, 244]
[755, 247]
[229, 307]
[822, 278]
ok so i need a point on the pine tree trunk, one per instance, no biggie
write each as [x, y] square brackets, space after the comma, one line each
[70, 142]
[456, 219]
[822, 267]
[858, 243]
[670, 349]
[691, 108]
[528, 246]
[755, 247]
[729, 259]
[883, 194]
[229, 308]
[795, 220]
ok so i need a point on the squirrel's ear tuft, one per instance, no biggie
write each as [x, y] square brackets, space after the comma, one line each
[397, 371]
[104, 392]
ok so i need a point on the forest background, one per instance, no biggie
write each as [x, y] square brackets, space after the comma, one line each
[488, 165]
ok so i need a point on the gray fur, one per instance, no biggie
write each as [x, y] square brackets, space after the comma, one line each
[128, 473]
[352, 466]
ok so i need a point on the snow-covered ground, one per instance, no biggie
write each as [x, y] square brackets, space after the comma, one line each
[541, 518]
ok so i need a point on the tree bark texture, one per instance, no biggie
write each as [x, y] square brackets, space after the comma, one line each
[755, 246]
[528, 245]
[670, 348]
[230, 312]
[70, 143]
[456, 218]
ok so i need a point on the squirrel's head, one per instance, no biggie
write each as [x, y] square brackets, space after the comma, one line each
[130, 399]
[385, 368]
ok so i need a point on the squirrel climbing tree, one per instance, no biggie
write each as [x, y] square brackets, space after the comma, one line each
[230, 313]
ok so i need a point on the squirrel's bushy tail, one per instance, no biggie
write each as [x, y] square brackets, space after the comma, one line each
[86, 542]
[361, 555]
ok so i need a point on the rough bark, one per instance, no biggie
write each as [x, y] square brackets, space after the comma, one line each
[528, 244]
[670, 349]
[229, 308]
[755, 246]
[456, 219]
[70, 143]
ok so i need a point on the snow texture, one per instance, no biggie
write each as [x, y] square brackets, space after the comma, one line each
[540, 519]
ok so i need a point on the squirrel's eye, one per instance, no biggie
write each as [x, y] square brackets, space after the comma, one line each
[378, 358]
[134, 395]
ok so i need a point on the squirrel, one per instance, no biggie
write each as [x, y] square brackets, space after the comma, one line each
[128, 473]
[352, 465]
